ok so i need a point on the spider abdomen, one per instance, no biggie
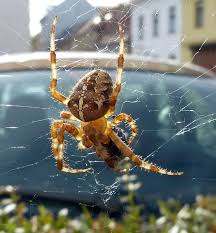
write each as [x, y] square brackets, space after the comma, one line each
[89, 99]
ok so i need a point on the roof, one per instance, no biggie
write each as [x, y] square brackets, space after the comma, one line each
[138, 1]
[71, 15]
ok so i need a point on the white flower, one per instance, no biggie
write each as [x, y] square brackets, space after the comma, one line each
[46, 227]
[34, 228]
[183, 231]
[182, 223]
[199, 198]
[125, 178]
[19, 230]
[202, 212]
[161, 220]
[9, 188]
[34, 221]
[111, 225]
[63, 231]
[184, 213]
[132, 177]
[63, 212]
[133, 187]
[6, 201]
[9, 208]
[174, 229]
[76, 224]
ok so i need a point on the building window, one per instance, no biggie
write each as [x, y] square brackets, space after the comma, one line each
[172, 20]
[155, 32]
[199, 8]
[141, 27]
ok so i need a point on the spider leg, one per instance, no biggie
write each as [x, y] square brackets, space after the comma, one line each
[68, 115]
[54, 135]
[55, 94]
[117, 87]
[124, 117]
[112, 163]
[114, 166]
[86, 143]
[127, 152]
[58, 145]
[95, 136]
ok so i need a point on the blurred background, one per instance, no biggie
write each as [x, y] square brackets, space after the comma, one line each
[180, 30]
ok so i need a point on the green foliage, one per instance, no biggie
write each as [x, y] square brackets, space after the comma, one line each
[174, 217]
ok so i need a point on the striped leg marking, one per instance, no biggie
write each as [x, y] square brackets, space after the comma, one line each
[54, 135]
[124, 117]
[120, 65]
[68, 115]
[53, 83]
[72, 130]
[58, 145]
[127, 152]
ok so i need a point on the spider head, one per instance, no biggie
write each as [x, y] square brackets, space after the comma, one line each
[89, 99]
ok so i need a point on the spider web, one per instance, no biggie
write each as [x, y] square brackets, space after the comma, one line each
[183, 115]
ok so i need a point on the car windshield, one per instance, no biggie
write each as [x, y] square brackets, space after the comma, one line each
[175, 117]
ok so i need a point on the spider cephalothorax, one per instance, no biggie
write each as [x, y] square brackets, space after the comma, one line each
[89, 99]
[91, 103]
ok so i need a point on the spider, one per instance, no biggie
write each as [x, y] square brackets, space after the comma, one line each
[91, 102]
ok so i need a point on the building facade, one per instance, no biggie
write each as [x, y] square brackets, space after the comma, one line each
[82, 27]
[14, 26]
[183, 30]
[101, 32]
[156, 29]
[199, 22]
[72, 15]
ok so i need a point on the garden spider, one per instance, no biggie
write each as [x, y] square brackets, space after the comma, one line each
[92, 101]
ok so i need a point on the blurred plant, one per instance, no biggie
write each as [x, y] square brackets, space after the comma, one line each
[174, 218]
[132, 218]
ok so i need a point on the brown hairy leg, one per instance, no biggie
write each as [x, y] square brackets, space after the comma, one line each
[106, 157]
[68, 115]
[54, 135]
[53, 83]
[127, 152]
[124, 117]
[58, 145]
[120, 64]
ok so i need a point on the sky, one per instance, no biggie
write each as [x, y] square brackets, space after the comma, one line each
[38, 9]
